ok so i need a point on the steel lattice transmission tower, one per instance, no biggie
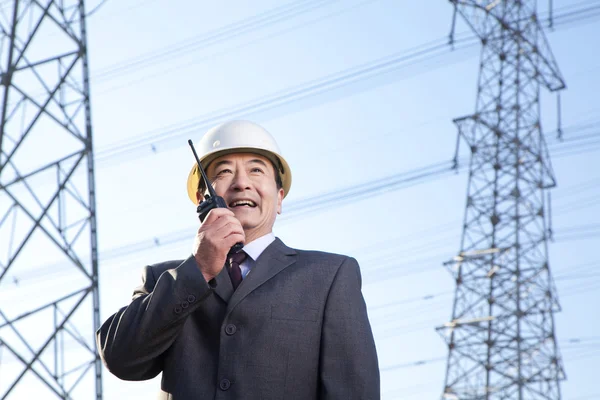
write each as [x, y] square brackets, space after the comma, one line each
[501, 337]
[49, 304]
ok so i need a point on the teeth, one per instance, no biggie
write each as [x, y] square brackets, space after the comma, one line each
[243, 203]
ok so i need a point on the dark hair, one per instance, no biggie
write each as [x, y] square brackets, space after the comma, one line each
[278, 181]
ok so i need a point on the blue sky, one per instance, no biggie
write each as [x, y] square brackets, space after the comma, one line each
[163, 72]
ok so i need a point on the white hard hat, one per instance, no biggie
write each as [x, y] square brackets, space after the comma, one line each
[237, 137]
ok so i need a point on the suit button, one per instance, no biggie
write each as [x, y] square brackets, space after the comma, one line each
[230, 329]
[224, 384]
[191, 298]
[184, 304]
[177, 310]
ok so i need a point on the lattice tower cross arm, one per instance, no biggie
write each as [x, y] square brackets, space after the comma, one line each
[485, 17]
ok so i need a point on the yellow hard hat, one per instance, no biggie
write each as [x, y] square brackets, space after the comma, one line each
[237, 137]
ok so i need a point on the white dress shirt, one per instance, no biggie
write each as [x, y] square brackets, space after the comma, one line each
[254, 249]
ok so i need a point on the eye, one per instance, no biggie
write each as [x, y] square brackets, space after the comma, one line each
[257, 170]
[223, 172]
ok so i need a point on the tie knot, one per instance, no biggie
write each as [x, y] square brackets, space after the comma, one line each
[237, 258]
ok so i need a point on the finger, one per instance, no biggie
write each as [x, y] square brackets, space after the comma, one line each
[232, 227]
[217, 213]
[217, 222]
[234, 238]
[221, 222]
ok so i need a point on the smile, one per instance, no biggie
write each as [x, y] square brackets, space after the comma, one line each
[242, 203]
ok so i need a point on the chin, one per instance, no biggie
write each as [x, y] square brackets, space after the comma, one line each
[247, 225]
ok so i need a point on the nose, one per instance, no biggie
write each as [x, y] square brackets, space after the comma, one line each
[241, 181]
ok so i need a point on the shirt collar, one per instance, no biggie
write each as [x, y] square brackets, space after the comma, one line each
[255, 248]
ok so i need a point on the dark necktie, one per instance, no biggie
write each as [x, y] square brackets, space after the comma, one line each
[235, 273]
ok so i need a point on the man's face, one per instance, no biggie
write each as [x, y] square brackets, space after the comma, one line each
[246, 181]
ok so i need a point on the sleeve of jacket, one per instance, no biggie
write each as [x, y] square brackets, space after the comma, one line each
[132, 341]
[348, 364]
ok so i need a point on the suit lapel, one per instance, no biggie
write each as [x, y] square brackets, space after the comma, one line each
[274, 259]
[224, 288]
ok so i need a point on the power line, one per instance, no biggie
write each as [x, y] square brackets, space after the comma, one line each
[180, 130]
[338, 197]
[578, 232]
[95, 9]
[214, 37]
[276, 15]
[417, 363]
[393, 329]
[278, 99]
[424, 362]
[149, 59]
[569, 17]
[124, 10]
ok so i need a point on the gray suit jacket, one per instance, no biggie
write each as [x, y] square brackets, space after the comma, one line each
[295, 328]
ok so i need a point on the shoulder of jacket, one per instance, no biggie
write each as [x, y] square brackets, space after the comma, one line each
[158, 268]
[322, 256]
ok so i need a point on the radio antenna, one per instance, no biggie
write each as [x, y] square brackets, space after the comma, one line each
[211, 190]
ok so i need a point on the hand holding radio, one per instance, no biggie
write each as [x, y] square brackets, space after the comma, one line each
[219, 232]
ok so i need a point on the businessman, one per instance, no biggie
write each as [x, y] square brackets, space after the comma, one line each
[268, 322]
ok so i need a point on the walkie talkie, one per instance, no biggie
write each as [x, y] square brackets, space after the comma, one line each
[211, 200]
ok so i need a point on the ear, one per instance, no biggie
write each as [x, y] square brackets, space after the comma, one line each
[280, 194]
[198, 197]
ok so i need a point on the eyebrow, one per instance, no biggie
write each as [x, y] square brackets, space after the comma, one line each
[227, 162]
[222, 162]
[257, 161]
